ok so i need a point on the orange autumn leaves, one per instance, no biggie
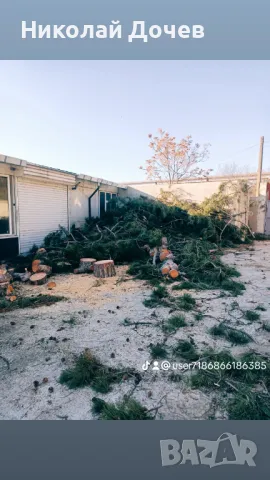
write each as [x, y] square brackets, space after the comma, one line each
[173, 161]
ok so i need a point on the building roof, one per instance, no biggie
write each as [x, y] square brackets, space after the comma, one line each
[36, 166]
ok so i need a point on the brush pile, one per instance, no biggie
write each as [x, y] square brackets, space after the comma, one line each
[134, 227]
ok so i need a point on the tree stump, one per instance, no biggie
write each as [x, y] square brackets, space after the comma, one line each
[86, 265]
[104, 268]
[38, 278]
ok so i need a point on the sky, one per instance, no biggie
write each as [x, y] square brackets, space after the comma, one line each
[94, 117]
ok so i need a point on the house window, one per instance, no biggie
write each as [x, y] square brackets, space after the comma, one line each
[104, 199]
[5, 223]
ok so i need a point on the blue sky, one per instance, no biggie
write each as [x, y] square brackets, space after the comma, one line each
[94, 117]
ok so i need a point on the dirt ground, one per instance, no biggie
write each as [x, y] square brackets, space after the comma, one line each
[97, 310]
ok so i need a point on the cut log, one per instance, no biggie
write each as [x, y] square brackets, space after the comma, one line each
[164, 254]
[45, 268]
[13, 298]
[3, 270]
[165, 270]
[167, 266]
[104, 268]
[51, 285]
[35, 265]
[86, 265]
[173, 273]
[38, 278]
[9, 290]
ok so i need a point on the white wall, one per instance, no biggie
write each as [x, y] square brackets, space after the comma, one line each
[78, 201]
[42, 207]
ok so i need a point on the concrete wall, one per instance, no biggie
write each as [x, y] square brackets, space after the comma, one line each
[252, 210]
[195, 191]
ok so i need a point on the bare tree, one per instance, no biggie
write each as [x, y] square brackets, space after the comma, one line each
[172, 161]
[231, 169]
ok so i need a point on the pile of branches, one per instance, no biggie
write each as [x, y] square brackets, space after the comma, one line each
[130, 224]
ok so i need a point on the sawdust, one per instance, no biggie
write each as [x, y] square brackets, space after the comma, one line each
[44, 341]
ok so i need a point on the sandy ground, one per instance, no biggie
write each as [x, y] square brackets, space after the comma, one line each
[98, 309]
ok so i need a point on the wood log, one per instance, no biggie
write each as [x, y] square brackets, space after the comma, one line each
[9, 290]
[38, 278]
[164, 254]
[51, 285]
[165, 270]
[104, 268]
[45, 268]
[35, 265]
[174, 273]
[167, 266]
[86, 265]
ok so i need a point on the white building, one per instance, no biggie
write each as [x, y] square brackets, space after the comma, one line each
[35, 200]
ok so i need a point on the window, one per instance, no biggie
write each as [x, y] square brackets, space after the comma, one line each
[4, 206]
[104, 199]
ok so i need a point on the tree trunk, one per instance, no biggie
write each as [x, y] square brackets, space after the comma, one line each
[86, 265]
[38, 278]
[104, 268]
